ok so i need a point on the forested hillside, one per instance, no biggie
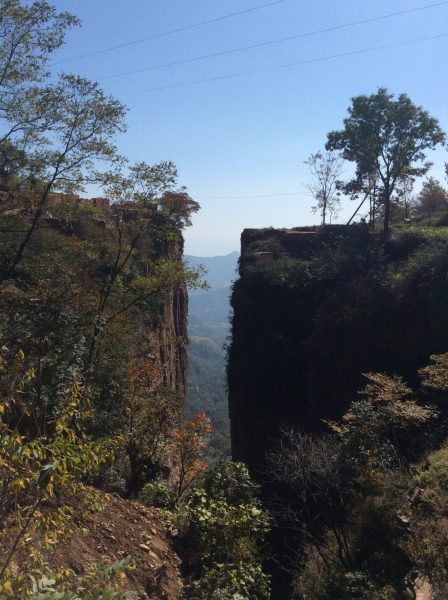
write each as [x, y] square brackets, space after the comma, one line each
[209, 316]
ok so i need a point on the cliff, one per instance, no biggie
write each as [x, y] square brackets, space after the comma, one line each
[165, 323]
[77, 221]
[314, 309]
[93, 322]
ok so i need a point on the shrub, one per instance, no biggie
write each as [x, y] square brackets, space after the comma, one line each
[221, 528]
[158, 493]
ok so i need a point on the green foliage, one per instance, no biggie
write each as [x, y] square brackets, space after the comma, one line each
[393, 517]
[387, 139]
[431, 201]
[378, 429]
[34, 474]
[221, 526]
[227, 581]
[229, 481]
[158, 493]
[92, 586]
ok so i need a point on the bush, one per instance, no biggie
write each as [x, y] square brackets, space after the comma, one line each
[232, 582]
[221, 528]
[229, 481]
[158, 493]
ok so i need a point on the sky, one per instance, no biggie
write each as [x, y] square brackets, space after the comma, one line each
[240, 140]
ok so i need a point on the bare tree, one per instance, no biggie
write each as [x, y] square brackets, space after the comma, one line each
[325, 169]
[309, 468]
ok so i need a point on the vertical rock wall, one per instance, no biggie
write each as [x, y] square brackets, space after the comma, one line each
[168, 341]
[316, 308]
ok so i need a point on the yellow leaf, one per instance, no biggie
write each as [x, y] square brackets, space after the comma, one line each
[7, 586]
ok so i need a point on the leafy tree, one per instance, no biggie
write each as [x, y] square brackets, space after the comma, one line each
[405, 196]
[188, 440]
[371, 503]
[325, 169]
[179, 207]
[221, 527]
[30, 34]
[140, 182]
[387, 137]
[34, 476]
[154, 187]
[54, 135]
[432, 197]
[380, 430]
[82, 121]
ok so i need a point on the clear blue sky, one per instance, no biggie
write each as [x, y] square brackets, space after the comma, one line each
[248, 136]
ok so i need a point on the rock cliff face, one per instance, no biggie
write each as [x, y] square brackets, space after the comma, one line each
[313, 310]
[168, 340]
[166, 331]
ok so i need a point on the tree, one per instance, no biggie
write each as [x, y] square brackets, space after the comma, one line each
[188, 441]
[221, 528]
[325, 169]
[405, 194]
[28, 37]
[152, 186]
[389, 137]
[83, 123]
[141, 183]
[309, 468]
[179, 207]
[54, 134]
[431, 198]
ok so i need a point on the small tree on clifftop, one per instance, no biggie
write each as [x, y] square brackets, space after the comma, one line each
[389, 137]
[325, 168]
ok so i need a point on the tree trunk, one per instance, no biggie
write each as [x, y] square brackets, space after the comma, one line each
[386, 210]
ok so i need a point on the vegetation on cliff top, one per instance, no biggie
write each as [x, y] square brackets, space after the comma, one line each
[387, 139]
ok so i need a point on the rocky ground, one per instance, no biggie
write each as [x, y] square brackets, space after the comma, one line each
[125, 528]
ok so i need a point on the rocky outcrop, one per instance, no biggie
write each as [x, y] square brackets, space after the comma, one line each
[314, 309]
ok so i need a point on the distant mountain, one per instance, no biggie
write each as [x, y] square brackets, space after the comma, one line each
[209, 328]
[221, 270]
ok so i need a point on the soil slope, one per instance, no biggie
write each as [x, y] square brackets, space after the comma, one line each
[125, 528]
